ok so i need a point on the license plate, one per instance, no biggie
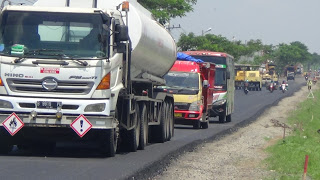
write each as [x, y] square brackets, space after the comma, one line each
[48, 104]
[177, 114]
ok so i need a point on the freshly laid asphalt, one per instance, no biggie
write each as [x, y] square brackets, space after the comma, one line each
[77, 161]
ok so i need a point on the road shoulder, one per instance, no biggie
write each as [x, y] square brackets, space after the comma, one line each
[240, 155]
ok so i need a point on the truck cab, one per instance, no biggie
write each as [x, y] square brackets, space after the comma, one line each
[224, 85]
[73, 70]
[192, 86]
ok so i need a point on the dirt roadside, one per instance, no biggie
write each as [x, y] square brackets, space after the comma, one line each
[239, 155]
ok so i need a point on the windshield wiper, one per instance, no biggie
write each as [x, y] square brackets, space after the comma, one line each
[20, 59]
[83, 63]
[37, 52]
[60, 55]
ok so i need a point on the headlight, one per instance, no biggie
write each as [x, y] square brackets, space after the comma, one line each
[220, 102]
[195, 106]
[5, 104]
[95, 107]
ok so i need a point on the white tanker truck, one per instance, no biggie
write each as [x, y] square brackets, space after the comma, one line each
[84, 70]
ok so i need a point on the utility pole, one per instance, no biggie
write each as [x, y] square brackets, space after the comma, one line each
[172, 27]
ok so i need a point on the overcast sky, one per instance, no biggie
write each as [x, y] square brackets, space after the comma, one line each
[272, 21]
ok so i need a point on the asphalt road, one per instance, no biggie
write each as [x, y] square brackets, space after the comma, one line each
[77, 161]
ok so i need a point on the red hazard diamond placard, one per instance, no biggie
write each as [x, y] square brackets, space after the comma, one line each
[13, 124]
[81, 125]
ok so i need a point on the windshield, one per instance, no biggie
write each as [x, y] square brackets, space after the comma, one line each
[212, 59]
[220, 79]
[182, 81]
[43, 34]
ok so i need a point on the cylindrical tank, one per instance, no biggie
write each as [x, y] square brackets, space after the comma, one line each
[154, 50]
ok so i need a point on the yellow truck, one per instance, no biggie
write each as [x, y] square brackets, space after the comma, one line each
[248, 72]
[239, 79]
[269, 74]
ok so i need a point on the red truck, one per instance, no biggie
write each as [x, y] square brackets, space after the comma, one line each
[192, 85]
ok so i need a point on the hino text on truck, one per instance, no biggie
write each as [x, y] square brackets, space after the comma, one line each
[223, 96]
[84, 70]
[192, 84]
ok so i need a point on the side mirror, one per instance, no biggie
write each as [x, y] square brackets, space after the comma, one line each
[205, 83]
[228, 75]
[122, 33]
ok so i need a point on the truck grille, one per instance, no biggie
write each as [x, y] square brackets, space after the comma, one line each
[181, 106]
[35, 85]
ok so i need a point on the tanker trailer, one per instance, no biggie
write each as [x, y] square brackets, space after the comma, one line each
[84, 70]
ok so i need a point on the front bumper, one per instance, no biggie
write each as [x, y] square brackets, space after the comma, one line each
[70, 109]
[186, 117]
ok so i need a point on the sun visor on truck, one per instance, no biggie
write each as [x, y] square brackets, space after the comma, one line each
[186, 57]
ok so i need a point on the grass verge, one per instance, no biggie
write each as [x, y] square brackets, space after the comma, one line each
[287, 157]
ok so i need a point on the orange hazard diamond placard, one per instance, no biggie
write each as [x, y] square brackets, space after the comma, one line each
[81, 125]
[13, 124]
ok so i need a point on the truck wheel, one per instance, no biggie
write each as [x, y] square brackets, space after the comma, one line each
[205, 124]
[228, 118]
[144, 127]
[170, 121]
[160, 130]
[109, 142]
[222, 117]
[133, 135]
[167, 121]
[196, 124]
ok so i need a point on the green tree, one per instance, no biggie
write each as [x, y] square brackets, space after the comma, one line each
[282, 54]
[218, 43]
[315, 61]
[291, 54]
[164, 10]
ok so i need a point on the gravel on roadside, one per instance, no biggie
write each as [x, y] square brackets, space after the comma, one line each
[239, 155]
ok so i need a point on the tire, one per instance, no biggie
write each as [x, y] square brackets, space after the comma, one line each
[160, 130]
[144, 127]
[133, 135]
[205, 124]
[171, 121]
[228, 118]
[222, 118]
[167, 121]
[109, 142]
[196, 124]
